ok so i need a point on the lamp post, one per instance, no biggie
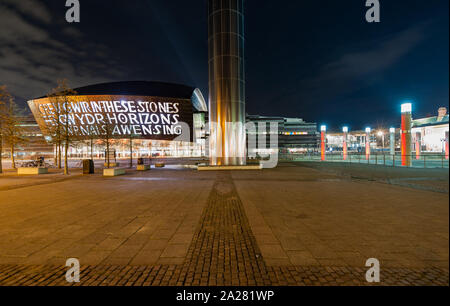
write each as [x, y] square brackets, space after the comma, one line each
[381, 134]
[418, 145]
[323, 140]
[406, 134]
[446, 146]
[368, 131]
[392, 140]
[344, 145]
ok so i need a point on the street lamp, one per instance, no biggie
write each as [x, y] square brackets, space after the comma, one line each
[381, 134]
[323, 145]
[344, 144]
[392, 140]
[406, 111]
[368, 131]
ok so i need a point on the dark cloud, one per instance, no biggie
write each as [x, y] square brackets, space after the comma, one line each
[318, 60]
[33, 9]
[31, 60]
[353, 70]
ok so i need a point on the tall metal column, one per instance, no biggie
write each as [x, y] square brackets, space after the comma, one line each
[227, 140]
[406, 134]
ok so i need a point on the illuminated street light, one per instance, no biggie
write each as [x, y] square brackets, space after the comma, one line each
[406, 134]
[381, 134]
[344, 144]
[392, 140]
[323, 140]
[406, 108]
[418, 145]
[368, 130]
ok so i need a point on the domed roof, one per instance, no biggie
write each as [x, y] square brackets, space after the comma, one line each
[138, 88]
[146, 88]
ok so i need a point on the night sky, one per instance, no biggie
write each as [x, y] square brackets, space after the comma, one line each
[314, 59]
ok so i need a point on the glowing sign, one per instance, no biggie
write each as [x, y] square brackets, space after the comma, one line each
[392, 130]
[345, 129]
[323, 128]
[295, 133]
[141, 117]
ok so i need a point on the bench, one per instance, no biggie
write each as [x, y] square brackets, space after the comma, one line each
[112, 164]
[160, 165]
[32, 171]
[113, 172]
[143, 167]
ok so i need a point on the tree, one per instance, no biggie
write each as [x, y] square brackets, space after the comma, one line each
[11, 131]
[92, 137]
[106, 133]
[130, 135]
[5, 98]
[60, 98]
[54, 125]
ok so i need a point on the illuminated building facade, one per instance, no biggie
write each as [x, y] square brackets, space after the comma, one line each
[34, 143]
[294, 134]
[161, 119]
[431, 132]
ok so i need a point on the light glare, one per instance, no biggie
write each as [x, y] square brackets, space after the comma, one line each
[406, 108]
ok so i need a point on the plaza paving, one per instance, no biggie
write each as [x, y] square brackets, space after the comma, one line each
[298, 224]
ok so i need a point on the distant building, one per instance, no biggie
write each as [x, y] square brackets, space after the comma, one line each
[294, 134]
[433, 131]
[35, 144]
[356, 141]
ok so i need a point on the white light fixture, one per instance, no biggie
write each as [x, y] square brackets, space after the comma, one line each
[406, 108]
[323, 128]
[392, 130]
[368, 130]
[380, 133]
[345, 129]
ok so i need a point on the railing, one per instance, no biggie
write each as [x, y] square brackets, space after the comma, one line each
[425, 160]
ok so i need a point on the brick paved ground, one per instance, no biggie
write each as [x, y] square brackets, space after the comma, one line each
[217, 229]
